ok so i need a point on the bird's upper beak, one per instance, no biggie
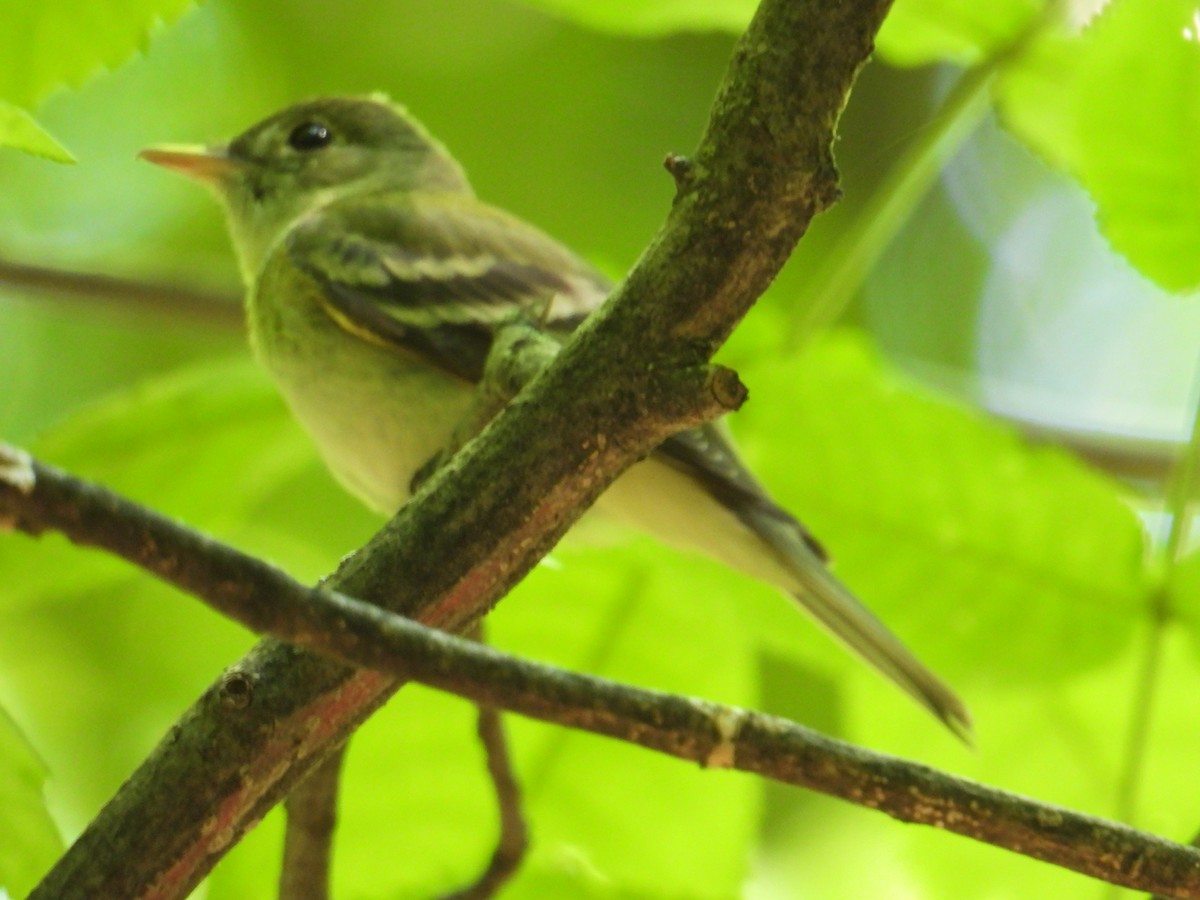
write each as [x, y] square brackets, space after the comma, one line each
[207, 165]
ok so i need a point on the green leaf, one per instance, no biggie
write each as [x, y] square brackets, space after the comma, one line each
[29, 841]
[19, 130]
[947, 524]
[927, 506]
[1124, 121]
[48, 44]
[921, 32]
[654, 17]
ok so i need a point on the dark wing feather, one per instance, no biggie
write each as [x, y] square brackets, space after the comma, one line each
[437, 275]
[706, 455]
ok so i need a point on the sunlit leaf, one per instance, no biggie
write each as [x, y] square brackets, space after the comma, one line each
[920, 32]
[1117, 106]
[655, 16]
[47, 44]
[948, 525]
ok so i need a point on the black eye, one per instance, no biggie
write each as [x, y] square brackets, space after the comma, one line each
[309, 136]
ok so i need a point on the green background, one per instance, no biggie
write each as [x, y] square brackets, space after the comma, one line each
[1018, 234]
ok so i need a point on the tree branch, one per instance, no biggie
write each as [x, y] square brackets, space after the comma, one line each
[513, 840]
[311, 823]
[35, 497]
[129, 294]
[633, 374]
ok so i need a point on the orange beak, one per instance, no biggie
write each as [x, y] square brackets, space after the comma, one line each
[205, 164]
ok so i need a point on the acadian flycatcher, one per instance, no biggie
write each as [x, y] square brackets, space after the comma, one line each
[375, 283]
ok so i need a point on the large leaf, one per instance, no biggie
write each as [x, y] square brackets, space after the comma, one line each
[1125, 121]
[949, 525]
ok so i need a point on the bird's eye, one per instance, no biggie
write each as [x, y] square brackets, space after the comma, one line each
[309, 136]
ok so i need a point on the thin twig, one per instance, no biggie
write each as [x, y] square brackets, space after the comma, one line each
[514, 838]
[34, 498]
[126, 294]
[1180, 488]
[308, 842]
[514, 832]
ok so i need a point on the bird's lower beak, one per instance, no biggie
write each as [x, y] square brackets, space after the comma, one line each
[205, 164]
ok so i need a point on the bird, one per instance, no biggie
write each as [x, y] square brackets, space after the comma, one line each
[376, 282]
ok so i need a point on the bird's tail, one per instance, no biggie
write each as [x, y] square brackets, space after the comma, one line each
[841, 613]
[699, 496]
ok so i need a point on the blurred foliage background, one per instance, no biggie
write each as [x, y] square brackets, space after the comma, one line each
[971, 381]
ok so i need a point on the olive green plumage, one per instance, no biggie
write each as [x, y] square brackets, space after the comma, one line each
[375, 283]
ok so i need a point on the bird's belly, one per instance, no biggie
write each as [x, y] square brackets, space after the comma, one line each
[378, 415]
[375, 420]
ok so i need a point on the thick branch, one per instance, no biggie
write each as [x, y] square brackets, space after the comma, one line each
[633, 374]
[39, 497]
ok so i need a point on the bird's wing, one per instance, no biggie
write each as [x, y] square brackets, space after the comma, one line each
[437, 275]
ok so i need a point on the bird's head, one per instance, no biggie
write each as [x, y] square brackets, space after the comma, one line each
[307, 155]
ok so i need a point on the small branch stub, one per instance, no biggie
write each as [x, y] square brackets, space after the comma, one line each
[16, 471]
[727, 388]
[236, 689]
[681, 169]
